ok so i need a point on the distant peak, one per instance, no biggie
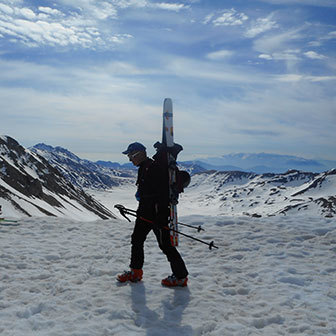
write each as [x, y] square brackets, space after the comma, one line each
[43, 146]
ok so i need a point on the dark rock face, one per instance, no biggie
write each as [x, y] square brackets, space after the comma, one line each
[30, 178]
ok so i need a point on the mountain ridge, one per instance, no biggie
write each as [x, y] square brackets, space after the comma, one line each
[264, 163]
[39, 177]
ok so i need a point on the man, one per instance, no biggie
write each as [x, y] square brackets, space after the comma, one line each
[152, 214]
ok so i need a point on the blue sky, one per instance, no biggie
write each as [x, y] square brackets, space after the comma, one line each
[244, 76]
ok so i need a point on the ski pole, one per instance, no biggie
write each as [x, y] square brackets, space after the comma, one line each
[131, 212]
[211, 244]
[198, 228]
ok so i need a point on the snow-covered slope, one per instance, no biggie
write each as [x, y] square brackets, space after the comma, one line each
[83, 173]
[270, 277]
[30, 186]
[239, 193]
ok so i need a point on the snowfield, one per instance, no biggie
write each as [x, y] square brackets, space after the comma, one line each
[270, 276]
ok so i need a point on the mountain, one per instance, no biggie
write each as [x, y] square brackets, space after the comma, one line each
[97, 175]
[264, 163]
[232, 192]
[116, 165]
[192, 167]
[30, 186]
[257, 195]
[84, 173]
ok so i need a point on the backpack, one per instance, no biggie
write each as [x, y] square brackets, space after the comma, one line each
[182, 177]
[182, 180]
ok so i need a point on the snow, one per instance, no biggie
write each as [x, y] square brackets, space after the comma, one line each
[220, 193]
[270, 276]
[70, 208]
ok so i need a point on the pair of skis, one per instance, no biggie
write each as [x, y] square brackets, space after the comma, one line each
[168, 141]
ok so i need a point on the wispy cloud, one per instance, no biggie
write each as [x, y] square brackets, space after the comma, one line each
[219, 54]
[296, 78]
[260, 26]
[75, 23]
[314, 55]
[278, 42]
[324, 3]
[265, 56]
[50, 26]
[169, 6]
[228, 17]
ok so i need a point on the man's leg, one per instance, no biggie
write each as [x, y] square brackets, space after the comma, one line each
[139, 235]
[176, 262]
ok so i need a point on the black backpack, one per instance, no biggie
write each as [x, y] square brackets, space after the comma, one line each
[182, 176]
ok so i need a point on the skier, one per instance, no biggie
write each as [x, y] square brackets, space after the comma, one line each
[152, 214]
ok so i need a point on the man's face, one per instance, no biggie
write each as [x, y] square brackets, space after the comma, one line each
[137, 157]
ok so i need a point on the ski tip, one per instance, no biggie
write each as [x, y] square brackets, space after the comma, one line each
[167, 102]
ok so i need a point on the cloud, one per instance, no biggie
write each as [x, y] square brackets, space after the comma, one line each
[277, 43]
[6, 9]
[229, 17]
[76, 102]
[265, 56]
[169, 6]
[49, 10]
[210, 73]
[115, 5]
[286, 112]
[49, 26]
[220, 54]
[297, 77]
[260, 26]
[314, 55]
[323, 3]
[322, 39]
[79, 24]
[162, 50]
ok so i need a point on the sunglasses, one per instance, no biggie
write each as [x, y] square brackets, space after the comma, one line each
[133, 155]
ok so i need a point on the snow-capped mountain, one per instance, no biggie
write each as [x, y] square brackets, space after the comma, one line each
[215, 192]
[240, 193]
[30, 186]
[264, 163]
[84, 173]
[99, 175]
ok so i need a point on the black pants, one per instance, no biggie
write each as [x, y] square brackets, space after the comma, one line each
[140, 232]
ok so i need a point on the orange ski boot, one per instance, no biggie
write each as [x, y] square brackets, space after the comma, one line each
[172, 281]
[134, 275]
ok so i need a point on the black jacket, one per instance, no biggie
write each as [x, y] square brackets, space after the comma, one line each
[153, 191]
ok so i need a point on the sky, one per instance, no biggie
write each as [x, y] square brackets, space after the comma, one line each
[244, 76]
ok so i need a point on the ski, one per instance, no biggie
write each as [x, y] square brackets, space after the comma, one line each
[168, 141]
